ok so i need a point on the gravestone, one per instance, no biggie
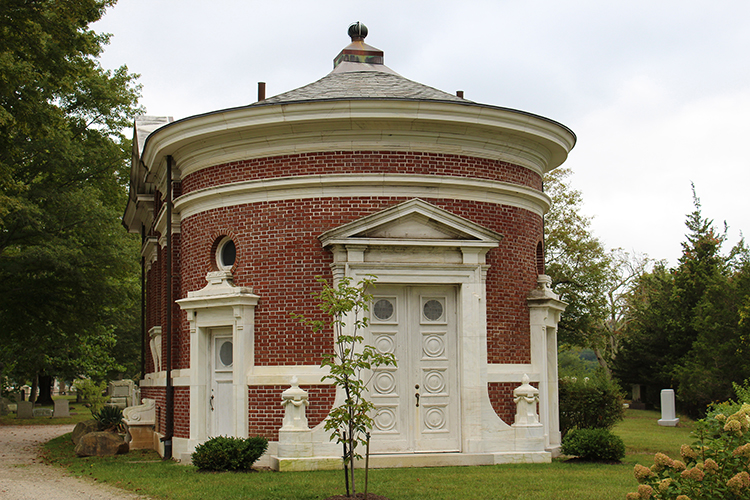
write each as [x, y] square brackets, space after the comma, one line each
[121, 393]
[4, 409]
[61, 408]
[42, 412]
[25, 409]
[668, 414]
[637, 403]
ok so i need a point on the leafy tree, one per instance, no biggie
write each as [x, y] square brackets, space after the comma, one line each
[349, 364]
[575, 259]
[688, 330]
[67, 269]
[593, 281]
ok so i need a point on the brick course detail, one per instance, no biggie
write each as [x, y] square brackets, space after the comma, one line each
[371, 162]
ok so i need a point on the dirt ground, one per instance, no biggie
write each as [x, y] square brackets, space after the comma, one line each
[24, 477]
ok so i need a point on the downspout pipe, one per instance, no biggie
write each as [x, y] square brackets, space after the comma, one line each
[169, 396]
[143, 306]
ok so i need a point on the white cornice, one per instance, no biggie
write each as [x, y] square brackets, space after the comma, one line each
[350, 185]
[385, 125]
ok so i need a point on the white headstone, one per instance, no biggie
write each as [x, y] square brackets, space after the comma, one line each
[668, 414]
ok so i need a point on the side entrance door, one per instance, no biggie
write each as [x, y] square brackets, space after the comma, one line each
[416, 402]
[221, 360]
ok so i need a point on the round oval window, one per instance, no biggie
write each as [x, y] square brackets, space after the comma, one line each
[227, 254]
[226, 354]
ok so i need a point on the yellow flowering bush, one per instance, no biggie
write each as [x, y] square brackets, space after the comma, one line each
[715, 467]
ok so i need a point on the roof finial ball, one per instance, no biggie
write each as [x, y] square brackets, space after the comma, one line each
[357, 31]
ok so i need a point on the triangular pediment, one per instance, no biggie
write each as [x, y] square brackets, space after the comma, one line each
[414, 221]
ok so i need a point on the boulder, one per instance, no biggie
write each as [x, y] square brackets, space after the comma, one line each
[83, 428]
[101, 444]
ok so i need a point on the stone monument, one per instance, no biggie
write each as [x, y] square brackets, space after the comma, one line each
[668, 416]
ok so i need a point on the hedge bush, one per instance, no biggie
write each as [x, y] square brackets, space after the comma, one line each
[593, 444]
[594, 403]
[229, 453]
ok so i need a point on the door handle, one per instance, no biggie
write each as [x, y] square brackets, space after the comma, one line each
[416, 395]
[211, 402]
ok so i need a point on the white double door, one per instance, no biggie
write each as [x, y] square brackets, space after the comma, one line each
[220, 390]
[416, 402]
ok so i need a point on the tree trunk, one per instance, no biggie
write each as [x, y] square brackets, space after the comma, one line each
[34, 387]
[602, 362]
[45, 390]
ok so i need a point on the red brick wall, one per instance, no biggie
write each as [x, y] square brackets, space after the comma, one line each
[380, 162]
[182, 412]
[279, 256]
[501, 397]
[265, 413]
[181, 409]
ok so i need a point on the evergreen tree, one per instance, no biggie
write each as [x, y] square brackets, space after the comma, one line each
[688, 331]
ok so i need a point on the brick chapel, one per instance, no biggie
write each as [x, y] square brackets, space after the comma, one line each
[362, 172]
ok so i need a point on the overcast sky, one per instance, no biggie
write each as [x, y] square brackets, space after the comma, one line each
[658, 92]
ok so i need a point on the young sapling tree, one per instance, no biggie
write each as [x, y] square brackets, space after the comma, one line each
[351, 363]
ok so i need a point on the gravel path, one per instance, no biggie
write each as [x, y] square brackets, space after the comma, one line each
[24, 477]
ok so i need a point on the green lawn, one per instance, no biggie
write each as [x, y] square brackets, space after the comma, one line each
[145, 473]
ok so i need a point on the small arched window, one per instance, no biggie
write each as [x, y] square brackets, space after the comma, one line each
[226, 254]
[540, 258]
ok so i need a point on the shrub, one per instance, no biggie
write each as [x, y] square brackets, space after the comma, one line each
[715, 467]
[93, 393]
[593, 444]
[109, 418]
[594, 403]
[229, 453]
[729, 407]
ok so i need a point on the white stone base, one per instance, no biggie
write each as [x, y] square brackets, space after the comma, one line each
[413, 460]
[668, 422]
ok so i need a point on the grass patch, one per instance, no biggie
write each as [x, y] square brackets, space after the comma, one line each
[644, 437]
[145, 473]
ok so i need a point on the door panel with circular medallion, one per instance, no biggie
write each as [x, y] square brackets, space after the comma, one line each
[416, 402]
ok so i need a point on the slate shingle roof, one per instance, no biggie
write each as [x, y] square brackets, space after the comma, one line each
[366, 84]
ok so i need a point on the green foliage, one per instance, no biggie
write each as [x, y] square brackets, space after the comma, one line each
[731, 406]
[594, 403]
[594, 282]
[229, 453]
[576, 261]
[110, 419]
[687, 329]
[715, 467]
[69, 276]
[593, 444]
[576, 362]
[93, 393]
[345, 305]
